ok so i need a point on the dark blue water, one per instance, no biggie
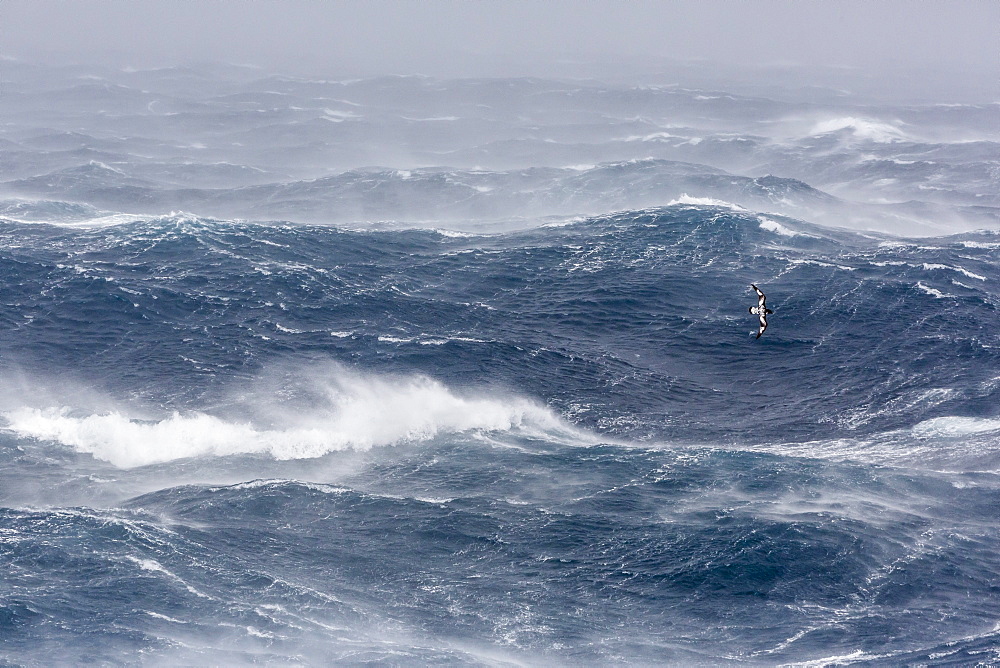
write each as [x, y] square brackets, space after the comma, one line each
[231, 443]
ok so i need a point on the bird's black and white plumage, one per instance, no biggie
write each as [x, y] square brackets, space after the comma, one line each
[760, 310]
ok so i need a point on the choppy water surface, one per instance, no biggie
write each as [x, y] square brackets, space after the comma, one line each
[508, 411]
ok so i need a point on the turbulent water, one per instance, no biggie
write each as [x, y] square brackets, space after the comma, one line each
[508, 411]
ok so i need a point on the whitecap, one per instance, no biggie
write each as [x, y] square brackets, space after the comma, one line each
[353, 412]
[934, 292]
[955, 426]
[776, 227]
[862, 128]
[929, 266]
[688, 200]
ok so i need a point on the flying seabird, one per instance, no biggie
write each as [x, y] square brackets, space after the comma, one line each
[760, 309]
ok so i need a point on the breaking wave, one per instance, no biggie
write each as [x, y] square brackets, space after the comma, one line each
[347, 411]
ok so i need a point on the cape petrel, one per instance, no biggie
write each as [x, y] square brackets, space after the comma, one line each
[760, 309]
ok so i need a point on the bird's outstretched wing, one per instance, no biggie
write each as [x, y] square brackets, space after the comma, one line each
[761, 311]
[763, 323]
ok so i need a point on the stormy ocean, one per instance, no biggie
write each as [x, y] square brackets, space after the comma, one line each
[424, 371]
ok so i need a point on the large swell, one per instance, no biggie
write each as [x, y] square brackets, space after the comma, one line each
[228, 442]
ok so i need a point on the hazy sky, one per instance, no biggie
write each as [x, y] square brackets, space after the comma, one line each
[449, 36]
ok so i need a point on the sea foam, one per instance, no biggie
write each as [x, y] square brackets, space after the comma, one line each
[776, 227]
[688, 200]
[873, 130]
[347, 411]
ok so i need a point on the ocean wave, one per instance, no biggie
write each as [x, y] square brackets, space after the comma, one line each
[348, 411]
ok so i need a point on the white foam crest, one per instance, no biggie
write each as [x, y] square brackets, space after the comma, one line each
[686, 199]
[104, 220]
[165, 618]
[933, 292]
[980, 244]
[655, 136]
[350, 411]
[156, 567]
[456, 234]
[955, 426]
[862, 128]
[776, 227]
[278, 482]
[820, 263]
[854, 657]
[572, 220]
[929, 266]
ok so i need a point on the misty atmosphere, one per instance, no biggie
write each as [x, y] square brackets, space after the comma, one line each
[428, 333]
[396, 122]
